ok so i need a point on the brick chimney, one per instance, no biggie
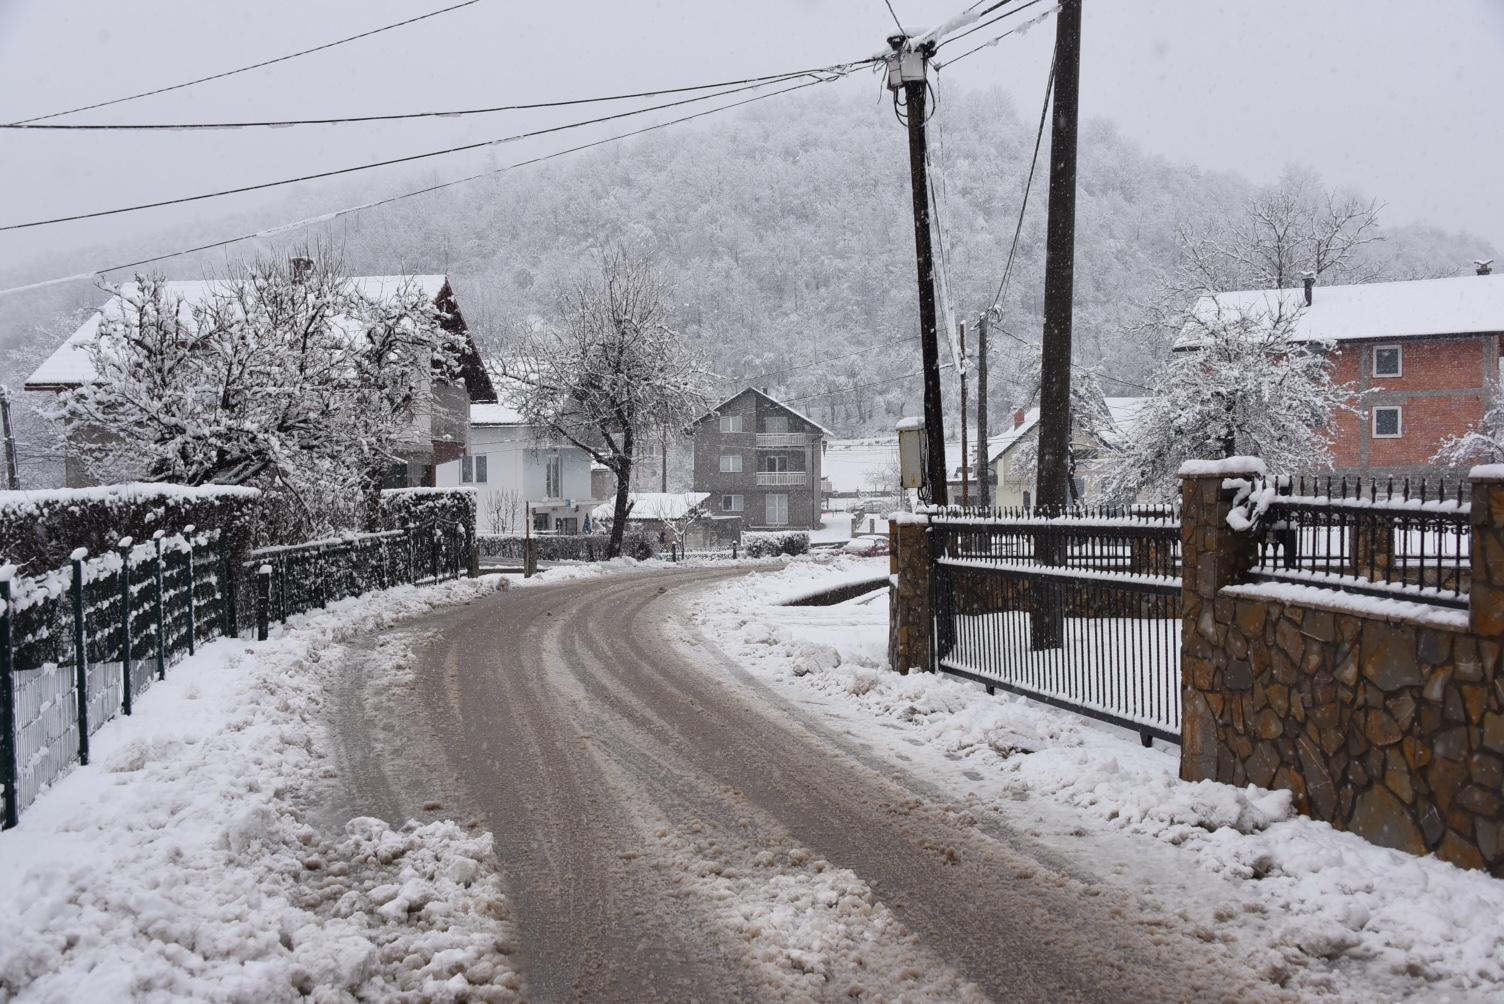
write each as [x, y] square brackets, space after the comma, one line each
[1484, 266]
[301, 268]
[1018, 417]
[1309, 280]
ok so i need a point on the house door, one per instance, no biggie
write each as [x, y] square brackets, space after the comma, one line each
[777, 510]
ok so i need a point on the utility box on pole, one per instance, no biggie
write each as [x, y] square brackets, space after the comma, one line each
[911, 452]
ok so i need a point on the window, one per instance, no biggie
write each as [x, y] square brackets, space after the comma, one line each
[733, 503]
[473, 470]
[1388, 361]
[775, 423]
[731, 463]
[567, 524]
[778, 510]
[775, 462]
[553, 477]
[540, 522]
[731, 423]
[1387, 423]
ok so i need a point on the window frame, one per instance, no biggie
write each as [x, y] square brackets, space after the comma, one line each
[731, 463]
[1399, 421]
[732, 502]
[479, 469]
[467, 469]
[1373, 362]
[730, 421]
[777, 425]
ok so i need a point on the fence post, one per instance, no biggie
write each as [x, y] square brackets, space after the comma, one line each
[263, 601]
[433, 551]
[161, 612]
[124, 547]
[1486, 553]
[80, 656]
[529, 557]
[911, 624]
[1213, 555]
[733, 550]
[412, 552]
[8, 708]
[192, 588]
[229, 612]
[320, 578]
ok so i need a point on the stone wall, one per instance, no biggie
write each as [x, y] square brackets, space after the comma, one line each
[909, 613]
[1389, 726]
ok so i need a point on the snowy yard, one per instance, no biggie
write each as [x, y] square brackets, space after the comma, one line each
[193, 858]
[1313, 909]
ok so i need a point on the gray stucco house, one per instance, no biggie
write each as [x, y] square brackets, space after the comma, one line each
[759, 459]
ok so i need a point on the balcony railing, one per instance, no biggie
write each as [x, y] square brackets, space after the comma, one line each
[783, 478]
[781, 440]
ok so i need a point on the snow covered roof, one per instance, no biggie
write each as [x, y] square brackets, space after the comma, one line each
[494, 414]
[653, 505]
[1416, 308]
[1123, 411]
[766, 397]
[70, 364]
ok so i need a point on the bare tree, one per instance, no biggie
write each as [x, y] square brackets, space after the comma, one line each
[502, 511]
[612, 372]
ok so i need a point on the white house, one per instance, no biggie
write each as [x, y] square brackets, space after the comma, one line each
[519, 474]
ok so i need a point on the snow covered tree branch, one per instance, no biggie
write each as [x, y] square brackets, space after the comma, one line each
[612, 371]
[299, 383]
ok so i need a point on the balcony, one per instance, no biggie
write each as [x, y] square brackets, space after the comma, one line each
[781, 479]
[782, 440]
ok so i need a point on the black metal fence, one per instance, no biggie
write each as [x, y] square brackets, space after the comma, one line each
[1080, 611]
[83, 643]
[1395, 539]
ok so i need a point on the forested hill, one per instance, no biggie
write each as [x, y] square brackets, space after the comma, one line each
[788, 234]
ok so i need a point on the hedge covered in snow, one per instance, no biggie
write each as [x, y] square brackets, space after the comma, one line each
[773, 543]
[39, 529]
[402, 506]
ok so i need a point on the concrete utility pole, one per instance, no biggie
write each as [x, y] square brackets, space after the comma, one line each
[965, 456]
[984, 480]
[1059, 267]
[908, 71]
[12, 481]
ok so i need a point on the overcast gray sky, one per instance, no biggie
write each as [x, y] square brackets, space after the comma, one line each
[1399, 98]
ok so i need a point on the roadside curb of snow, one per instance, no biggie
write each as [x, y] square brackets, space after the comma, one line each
[1325, 895]
[182, 863]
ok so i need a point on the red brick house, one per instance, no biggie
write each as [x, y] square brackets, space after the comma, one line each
[1427, 351]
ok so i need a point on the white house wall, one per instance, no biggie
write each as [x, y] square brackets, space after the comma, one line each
[516, 462]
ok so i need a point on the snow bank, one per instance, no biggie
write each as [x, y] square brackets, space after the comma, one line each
[1313, 907]
[182, 863]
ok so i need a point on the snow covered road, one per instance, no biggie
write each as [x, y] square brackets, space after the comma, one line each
[668, 828]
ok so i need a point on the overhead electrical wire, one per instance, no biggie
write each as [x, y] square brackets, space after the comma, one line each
[896, 22]
[243, 69]
[399, 116]
[865, 350]
[860, 386]
[841, 71]
[991, 41]
[1044, 114]
[387, 200]
[978, 27]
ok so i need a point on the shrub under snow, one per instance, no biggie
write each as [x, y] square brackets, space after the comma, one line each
[773, 543]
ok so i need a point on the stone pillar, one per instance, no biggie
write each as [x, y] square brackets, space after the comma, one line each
[1213, 555]
[1486, 599]
[909, 613]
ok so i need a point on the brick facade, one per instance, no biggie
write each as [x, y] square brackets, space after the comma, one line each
[1445, 386]
[774, 444]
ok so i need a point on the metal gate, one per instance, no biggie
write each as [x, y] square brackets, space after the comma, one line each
[1081, 612]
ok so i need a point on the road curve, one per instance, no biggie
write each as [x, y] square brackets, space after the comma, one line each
[670, 830]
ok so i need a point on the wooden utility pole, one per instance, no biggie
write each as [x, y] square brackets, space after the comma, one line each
[914, 67]
[984, 479]
[12, 480]
[965, 456]
[663, 461]
[1059, 267]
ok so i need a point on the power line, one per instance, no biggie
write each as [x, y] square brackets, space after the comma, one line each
[1019, 30]
[984, 24]
[399, 116]
[243, 69]
[387, 200]
[414, 157]
[896, 22]
[860, 386]
[1044, 114]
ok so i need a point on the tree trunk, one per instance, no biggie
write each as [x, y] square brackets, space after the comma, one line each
[619, 517]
